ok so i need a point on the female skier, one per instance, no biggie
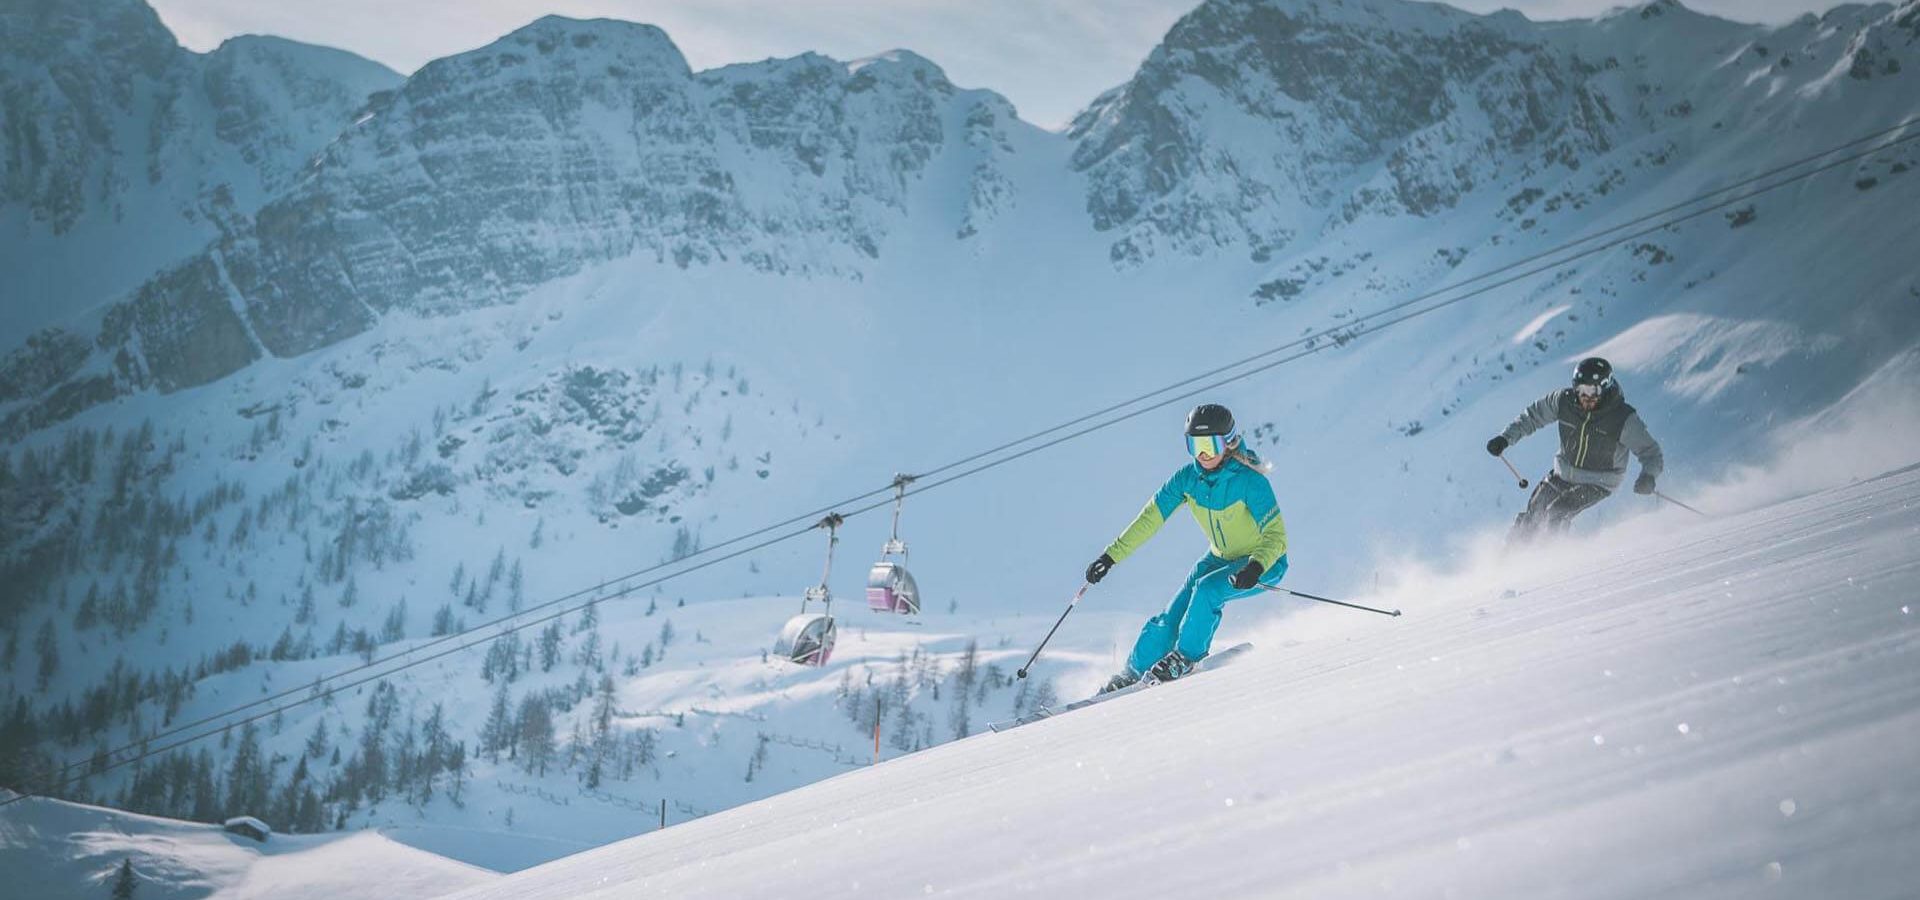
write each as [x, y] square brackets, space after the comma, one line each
[1226, 486]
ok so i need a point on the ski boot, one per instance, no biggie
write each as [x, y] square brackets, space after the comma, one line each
[1170, 667]
[1126, 678]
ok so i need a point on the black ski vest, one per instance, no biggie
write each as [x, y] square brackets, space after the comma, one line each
[1588, 439]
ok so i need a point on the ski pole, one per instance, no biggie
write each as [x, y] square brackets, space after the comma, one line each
[1056, 627]
[1280, 590]
[1681, 505]
[1516, 472]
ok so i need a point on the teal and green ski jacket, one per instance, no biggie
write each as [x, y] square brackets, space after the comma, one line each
[1233, 504]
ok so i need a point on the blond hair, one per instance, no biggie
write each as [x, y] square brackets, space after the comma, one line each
[1247, 458]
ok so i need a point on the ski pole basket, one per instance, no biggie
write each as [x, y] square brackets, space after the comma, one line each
[808, 638]
[890, 587]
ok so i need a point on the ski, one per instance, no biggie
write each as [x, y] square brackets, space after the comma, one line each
[1213, 661]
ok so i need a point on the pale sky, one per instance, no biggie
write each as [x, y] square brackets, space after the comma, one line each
[1050, 57]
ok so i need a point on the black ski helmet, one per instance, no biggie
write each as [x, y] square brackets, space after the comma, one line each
[1596, 371]
[1210, 419]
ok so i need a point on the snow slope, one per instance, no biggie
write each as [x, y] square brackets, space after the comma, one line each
[1687, 709]
[65, 850]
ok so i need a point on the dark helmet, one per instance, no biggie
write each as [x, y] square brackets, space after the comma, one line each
[1595, 371]
[1210, 419]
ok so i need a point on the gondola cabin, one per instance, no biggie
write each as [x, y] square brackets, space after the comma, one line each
[891, 589]
[807, 639]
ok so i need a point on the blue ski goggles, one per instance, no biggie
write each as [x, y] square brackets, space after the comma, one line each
[1208, 446]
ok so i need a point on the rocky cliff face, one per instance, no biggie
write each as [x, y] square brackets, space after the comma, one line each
[565, 144]
[121, 152]
[1252, 114]
[1255, 128]
[1259, 122]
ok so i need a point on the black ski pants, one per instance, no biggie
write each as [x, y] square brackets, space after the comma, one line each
[1554, 503]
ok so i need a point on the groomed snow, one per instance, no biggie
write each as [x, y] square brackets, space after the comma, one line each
[1682, 708]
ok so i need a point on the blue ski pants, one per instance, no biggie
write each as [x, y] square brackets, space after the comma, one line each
[1194, 614]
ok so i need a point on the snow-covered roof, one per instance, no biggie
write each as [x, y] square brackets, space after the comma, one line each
[248, 822]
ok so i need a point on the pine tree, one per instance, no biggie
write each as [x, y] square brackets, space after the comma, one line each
[589, 654]
[602, 731]
[536, 734]
[516, 587]
[395, 627]
[855, 703]
[125, 882]
[1044, 695]
[373, 762]
[245, 776]
[550, 646]
[438, 745]
[88, 615]
[317, 742]
[457, 772]
[961, 720]
[497, 734]
[286, 811]
[904, 728]
[49, 649]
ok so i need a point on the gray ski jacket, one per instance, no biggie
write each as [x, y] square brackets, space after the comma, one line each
[1593, 445]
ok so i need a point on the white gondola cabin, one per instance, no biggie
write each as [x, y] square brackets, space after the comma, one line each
[807, 639]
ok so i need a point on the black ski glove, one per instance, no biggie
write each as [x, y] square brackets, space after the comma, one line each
[1643, 484]
[1249, 575]
[1097, 569]
[1498, 445]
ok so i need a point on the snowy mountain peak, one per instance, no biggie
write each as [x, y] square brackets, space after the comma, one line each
[112, 29]
[905, 63]
[1257, 122]
[630, 42]
[1239, 126]
[565, 144]
[127, 152]
[1413, 15]
[1651, 10]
